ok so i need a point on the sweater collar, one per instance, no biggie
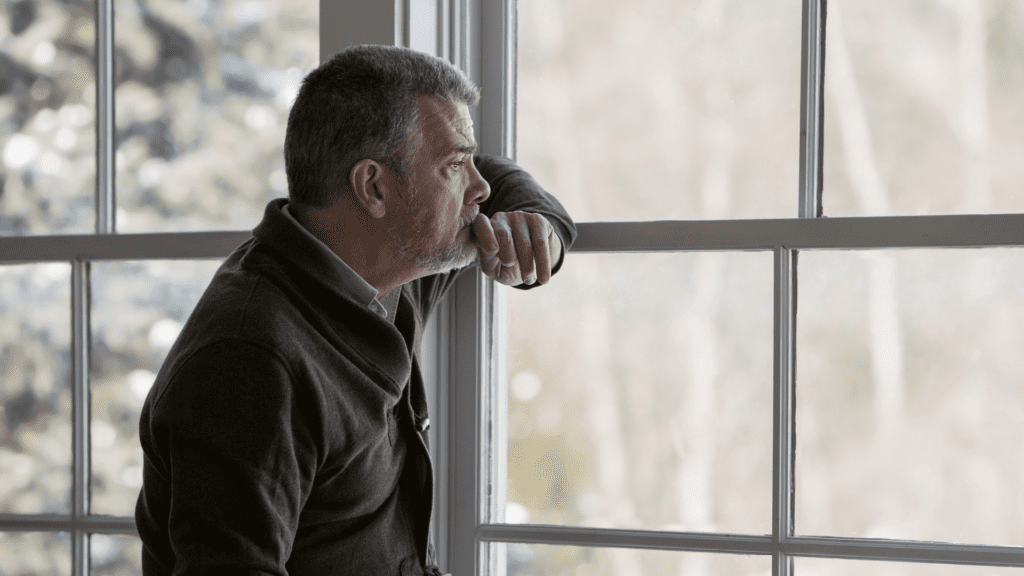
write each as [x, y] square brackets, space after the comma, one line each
[389, 346]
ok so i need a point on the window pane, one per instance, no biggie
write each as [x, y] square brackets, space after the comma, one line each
[823, 567]
[47, 117]
[922, 107]
[909, 406]
[661, 109]
[544, 560]
[640, 394]
[35, 553]
[35, 391]
[138, 308]
[115, 555]
[202, 97]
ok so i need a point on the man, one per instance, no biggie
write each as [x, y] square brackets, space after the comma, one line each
[286, 431]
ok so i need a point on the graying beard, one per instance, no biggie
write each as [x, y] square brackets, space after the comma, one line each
[437, 260]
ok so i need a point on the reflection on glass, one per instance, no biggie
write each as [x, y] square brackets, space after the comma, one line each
[639, 394]
[138, 308]
[661, 109]
[35, 553]
[202, 96]
[47, 124]
[922, 107]
[909, 405]
[35, 392]
[115, 555]
[819, 567]
[545, 560]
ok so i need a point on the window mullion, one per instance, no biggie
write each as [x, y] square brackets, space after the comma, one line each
[105, 164]
[783, 409]
[79, 415]
[812, 83]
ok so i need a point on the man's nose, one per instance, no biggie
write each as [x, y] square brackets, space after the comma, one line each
[479, 189]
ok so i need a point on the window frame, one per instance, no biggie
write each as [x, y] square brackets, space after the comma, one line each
[465, 342]
[427, 26]
[476, 351]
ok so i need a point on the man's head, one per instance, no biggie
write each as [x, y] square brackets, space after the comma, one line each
[362, 103]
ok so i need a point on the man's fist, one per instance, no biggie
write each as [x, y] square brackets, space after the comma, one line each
[516, 247]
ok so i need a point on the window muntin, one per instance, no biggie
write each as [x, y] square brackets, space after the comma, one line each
[807, 232]
[639, 394]
[909, 408]
[836, 567]
[530, 559]
[922, 107]
[47, 117]
[658, 109]
[277, 39]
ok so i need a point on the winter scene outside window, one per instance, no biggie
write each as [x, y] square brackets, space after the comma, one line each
[639, 385]
[202, 90]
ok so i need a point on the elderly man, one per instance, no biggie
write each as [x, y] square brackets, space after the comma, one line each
[286, 431]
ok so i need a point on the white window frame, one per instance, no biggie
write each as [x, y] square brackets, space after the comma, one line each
[474, 325]
[464, 346]
[433, 26]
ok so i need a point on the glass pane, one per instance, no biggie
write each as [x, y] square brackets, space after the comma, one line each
[910, 406]
[35, 554]
[138, 308]
[47, 117]
[828, 567]
[115, 555]
[203, 92]
[35, 388]
[640, 394]
[661, 109]
[922, 107]
[545, 560]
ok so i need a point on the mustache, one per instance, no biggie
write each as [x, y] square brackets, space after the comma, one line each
[468, 221]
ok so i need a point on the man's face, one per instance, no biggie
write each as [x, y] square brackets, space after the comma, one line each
[439, 201]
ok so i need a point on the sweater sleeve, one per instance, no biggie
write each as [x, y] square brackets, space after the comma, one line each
[237, 449]
[514, 189]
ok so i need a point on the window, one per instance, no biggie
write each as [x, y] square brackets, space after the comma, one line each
[869, 415]
[784, 341]
[128, 162]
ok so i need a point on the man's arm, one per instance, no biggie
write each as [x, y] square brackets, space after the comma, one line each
[523, 231]
[227, 441]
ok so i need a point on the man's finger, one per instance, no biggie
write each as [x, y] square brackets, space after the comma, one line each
[491, 266]
[503, 234]
[540, 230]
[483, 233]
[524, 247]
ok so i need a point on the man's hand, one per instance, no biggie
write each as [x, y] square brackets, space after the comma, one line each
[516, 247]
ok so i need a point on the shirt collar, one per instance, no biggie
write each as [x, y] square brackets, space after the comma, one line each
[355, 283]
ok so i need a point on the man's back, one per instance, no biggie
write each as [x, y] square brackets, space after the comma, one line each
[283, 422]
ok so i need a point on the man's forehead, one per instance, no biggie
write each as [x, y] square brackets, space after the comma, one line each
[438, 115]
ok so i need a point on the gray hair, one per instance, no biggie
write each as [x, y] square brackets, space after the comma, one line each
[361, 103]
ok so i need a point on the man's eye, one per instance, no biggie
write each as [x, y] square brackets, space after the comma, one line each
[457, 165]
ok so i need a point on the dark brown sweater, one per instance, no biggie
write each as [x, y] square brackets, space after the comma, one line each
[281, 435]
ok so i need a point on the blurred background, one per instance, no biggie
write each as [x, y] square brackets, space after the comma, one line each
[639, 385]
[202, 92]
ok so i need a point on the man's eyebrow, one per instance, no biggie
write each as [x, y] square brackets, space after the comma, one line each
[466, 148]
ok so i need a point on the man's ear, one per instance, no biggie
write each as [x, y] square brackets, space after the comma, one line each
[370, 185]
